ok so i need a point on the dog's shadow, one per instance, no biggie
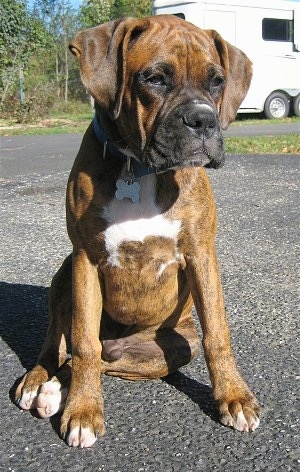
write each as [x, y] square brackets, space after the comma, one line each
[199, 393]
[23, 319]
[23, 327]
[23, 322]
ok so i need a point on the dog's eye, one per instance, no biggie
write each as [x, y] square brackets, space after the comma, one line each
[217, 82]
[156, 79]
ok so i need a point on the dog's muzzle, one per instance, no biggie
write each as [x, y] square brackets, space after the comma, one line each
[189, 136]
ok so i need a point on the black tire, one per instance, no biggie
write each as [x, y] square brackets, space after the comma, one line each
[296, 105]
[277, 105]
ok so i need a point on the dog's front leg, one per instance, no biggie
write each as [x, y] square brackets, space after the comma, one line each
[82, 419]
[237, 405]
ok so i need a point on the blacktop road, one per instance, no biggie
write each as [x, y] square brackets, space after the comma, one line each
[262, 129]
[158, 425]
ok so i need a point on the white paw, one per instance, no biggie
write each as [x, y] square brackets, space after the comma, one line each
[81, 437]
[253, 423]
[239, 422]
[51, 398]
[28, 400]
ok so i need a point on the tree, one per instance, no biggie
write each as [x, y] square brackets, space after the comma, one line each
[34, 38]
[61, 22]
[20, 37]
[136, 8]
[93, 12]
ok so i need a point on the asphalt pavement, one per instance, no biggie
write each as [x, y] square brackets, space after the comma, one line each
[239, 128]
[162, 425]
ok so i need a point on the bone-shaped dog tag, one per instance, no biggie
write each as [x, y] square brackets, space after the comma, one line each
[128, 189]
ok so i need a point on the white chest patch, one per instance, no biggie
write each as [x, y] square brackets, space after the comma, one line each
[130, 221]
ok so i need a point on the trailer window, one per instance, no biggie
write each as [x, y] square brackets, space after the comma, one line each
[180, 15]
[274, 29]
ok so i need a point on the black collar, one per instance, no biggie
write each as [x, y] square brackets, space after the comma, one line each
[139, 170]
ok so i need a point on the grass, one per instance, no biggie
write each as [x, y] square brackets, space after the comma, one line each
[76, 121]
[283, 144]
[59, 125]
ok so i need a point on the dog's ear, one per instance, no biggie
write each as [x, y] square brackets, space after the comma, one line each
[101, 52]
[238, 72]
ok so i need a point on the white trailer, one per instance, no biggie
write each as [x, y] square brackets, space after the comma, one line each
[268, 31]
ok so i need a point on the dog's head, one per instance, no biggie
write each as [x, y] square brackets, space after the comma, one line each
[163, 88]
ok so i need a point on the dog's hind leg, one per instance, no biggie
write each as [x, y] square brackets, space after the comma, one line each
[164, 353]
[54, 351]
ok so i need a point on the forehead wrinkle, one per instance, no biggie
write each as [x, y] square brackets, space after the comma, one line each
[186, 52]
[189, 54]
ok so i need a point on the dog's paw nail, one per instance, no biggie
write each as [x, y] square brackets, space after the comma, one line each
[81, 437]
[226, 420]
[240, 422]
[27, 400]
[254, 423]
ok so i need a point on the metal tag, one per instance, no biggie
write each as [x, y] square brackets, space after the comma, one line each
[128, 189]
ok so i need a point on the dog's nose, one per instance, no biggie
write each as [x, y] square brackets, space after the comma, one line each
[200, 118]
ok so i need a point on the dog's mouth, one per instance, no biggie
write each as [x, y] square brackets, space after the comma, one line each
[211, 164]
[161, 162]
[216, 164]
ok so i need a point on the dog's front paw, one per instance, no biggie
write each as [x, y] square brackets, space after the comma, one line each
[51, 398]
[28, 388]
[80, 425]
[241, 413]
[46, 396]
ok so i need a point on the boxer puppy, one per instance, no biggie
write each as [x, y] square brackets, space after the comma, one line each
[142, 220]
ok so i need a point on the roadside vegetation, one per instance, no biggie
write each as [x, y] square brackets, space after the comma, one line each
[40, 87]
[73, 117]
[76, 118]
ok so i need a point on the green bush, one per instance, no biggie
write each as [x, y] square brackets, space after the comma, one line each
[41, 106]
[32, 109]
[72, 107]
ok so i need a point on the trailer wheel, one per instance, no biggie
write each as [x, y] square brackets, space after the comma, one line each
[277, 105]
[296, 105]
